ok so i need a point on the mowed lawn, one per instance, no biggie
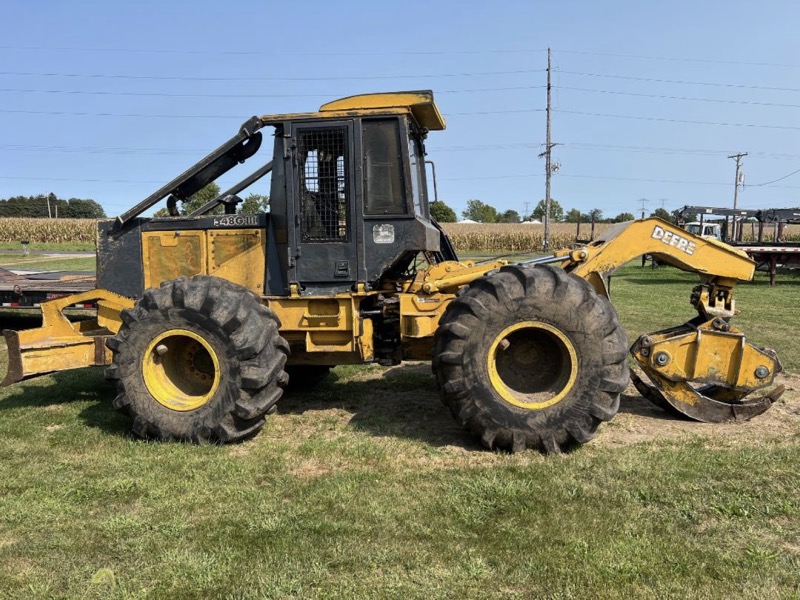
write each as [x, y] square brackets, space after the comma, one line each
[47, 262]
[365, 487]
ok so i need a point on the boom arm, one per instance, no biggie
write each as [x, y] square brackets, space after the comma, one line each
[707, 350]
[712, 260]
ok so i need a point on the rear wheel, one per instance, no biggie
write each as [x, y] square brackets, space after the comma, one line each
[198, 359]
[531, 357]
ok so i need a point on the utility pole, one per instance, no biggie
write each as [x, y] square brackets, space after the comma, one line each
[548, 167]
[525, 216]
[738, 158]
[644, 202]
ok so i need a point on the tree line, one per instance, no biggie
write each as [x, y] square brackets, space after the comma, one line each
[251, 204]
[486, 213]
[45, 206]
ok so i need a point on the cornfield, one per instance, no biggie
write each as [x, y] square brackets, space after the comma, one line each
[514, 237]
[479, 237]
[53, 231]
[519, 237]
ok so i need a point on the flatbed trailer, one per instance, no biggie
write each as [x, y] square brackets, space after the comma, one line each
[768, 255]
[771, 255]
[29, 291]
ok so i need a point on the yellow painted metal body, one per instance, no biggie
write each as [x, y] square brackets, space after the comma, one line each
[679, 360]
[60, 344]
[324, 330]
[417, 104]
[238, 255]
[707, 355]
[334, 330]
[668, 243]
[450, 275]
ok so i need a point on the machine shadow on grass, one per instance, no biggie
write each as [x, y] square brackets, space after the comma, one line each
[634, 404]
[65, 387]
[400, 402]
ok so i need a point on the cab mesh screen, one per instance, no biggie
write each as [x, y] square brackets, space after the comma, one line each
[324, 193]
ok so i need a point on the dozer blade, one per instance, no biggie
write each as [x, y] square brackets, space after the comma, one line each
[681, 398]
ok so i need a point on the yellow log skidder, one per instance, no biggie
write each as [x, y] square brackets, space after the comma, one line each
[203, 319]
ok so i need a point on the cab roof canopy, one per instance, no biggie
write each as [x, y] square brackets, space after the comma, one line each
[419, 104]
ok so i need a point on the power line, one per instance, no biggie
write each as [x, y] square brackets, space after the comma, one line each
[107, 114]
[670, 150]
[665, 120]
[487, 177]
[237, 95]
[775, 180]
[433, 147]
[449, 114]
[218, 52]
[689, 98]
[679, 81]
[681, 59]
[254, 78]
[179, 151]
[496, 112]
[162, 116]
[267, 52]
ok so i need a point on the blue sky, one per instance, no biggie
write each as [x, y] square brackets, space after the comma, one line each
[109, 100]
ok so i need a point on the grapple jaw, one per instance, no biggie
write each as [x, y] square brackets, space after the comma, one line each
[704, 370]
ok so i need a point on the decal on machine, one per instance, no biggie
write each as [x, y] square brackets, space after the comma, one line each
[236, 221]
[383, 234]
[674, 240]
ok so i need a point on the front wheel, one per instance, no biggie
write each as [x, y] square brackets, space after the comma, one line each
[198, 359]
[531, 357]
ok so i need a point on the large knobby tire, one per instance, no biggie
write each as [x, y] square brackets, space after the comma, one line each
[531, 357]
[198, 360]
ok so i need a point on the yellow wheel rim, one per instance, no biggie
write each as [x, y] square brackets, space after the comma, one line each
[181, 370]
[532, 365]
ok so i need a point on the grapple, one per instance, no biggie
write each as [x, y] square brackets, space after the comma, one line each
[705, 370]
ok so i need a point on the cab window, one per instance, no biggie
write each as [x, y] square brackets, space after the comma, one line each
[383, 167]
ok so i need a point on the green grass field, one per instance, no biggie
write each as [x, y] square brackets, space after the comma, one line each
[47, 262]
[50, 246]
[366, 487]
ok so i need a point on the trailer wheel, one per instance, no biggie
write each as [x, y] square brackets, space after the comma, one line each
[199, 360]
[531, 357]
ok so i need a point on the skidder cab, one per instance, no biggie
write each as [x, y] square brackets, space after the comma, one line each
[203, 319]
